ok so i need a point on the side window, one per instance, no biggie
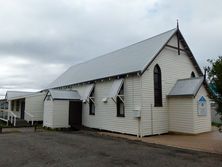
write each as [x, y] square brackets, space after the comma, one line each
[120, 103]
[157, 81]
[192, 75]
[92, 103]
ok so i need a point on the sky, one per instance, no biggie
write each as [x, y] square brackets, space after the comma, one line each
[40, 39]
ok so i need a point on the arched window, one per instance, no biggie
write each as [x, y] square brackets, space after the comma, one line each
[157, 86]
[192, 75]
[92, 103]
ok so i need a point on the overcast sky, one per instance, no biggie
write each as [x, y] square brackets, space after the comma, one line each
[40, 39]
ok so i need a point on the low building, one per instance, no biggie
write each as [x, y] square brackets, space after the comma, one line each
[62, 109]
[23, 105]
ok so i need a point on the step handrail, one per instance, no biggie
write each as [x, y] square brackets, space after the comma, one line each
[31, 116]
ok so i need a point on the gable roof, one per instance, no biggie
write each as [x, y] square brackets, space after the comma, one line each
[64, 94]
[11, 95]
[186, 87]
[132, 59]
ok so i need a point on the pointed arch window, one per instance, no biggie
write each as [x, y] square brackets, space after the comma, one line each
[192, 75]
[157, 86]
[92, 103]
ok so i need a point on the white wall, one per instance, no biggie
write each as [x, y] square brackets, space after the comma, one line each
[173, 67]
[201, 123]
[56, 114]
[60, 114]
[105, 113]
[181, 117]
[48, 114]
[34, 105]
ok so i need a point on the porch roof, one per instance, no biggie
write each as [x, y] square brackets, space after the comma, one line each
[12, 95]
[186, 87]
[64, 94]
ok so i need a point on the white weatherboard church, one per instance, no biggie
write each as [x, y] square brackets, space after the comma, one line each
[152, 87]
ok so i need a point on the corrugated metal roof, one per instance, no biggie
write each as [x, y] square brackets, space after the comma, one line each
[64, 94]
[116, 86]
[10, 95]
[186, 87]
[131, 59]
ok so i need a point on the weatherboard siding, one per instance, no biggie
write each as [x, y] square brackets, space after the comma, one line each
[105, 113]
[48, 114]
[173, 67]
[35, 106]
[181, 114]
[56, 114]
[60, 114]
[201, 123]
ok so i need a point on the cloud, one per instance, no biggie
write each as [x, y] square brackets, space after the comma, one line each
[40, 39]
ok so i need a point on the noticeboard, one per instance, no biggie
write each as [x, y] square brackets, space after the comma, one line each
[202, 106]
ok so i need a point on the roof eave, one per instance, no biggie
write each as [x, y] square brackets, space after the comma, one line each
[67, 99]
[183, 95]
[94, 80]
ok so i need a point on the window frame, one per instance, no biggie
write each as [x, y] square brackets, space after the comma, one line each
[192, 75]
[92, 107]
[157, 82]
[120, 102]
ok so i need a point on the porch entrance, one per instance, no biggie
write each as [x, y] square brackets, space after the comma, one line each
[75, 114]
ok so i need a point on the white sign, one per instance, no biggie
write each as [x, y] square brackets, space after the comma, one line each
[202, 106]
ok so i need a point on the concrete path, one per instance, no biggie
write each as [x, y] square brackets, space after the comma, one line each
[207, 142]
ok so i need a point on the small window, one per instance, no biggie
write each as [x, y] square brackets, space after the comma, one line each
[157, 86]
[92, 103]
[48, 98]
[192, 75]
[120, 103]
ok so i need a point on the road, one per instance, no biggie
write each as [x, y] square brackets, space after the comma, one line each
[84, 148]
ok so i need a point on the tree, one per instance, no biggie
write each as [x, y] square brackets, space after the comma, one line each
[215, 79]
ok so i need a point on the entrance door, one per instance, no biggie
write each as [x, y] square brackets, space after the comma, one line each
[75, 114]
[22, 109]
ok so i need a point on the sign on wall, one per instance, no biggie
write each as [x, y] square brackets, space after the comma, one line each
[202, 106]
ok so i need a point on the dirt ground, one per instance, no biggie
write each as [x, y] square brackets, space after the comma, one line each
[83, 148]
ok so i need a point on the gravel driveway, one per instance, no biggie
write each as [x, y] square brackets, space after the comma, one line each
[83, 148]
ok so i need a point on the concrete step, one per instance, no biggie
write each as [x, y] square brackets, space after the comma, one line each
[21, 123]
